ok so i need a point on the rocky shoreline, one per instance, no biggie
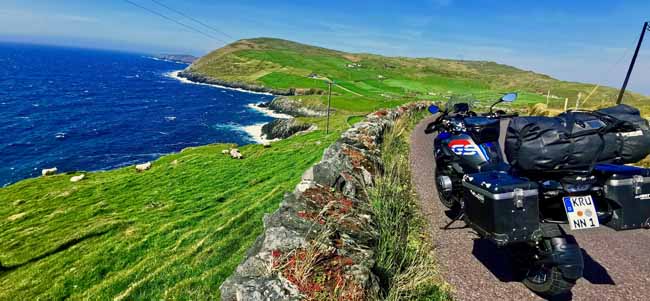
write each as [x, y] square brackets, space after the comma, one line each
[284, 128]
[199, 78]
[294, 108]
[286, 108]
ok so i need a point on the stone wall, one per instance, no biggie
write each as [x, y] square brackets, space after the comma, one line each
[325, 222]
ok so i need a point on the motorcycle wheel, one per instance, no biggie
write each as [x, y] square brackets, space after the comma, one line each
[548, 281]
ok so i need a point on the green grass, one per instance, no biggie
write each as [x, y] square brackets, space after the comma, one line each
[285, 81]
[354, 119]
[173, 232]
[404, 260]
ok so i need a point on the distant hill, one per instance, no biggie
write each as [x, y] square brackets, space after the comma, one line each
[280, 63]
[179, 58]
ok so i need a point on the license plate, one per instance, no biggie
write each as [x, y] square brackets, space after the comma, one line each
[581, 212]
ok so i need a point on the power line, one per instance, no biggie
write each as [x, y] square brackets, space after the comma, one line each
[175, 21]
[629, 70]
[193, 19]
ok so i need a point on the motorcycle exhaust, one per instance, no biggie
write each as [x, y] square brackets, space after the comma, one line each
[444, 183]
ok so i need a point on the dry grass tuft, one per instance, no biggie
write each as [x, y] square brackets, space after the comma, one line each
[404, 257]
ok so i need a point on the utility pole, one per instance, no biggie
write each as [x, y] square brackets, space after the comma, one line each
[329, 103]
[629, 70]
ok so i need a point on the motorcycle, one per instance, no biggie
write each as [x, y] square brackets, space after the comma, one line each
[522, 211]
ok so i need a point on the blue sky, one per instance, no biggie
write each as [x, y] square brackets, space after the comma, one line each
[589, 41]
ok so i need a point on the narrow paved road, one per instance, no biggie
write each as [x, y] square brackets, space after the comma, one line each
[617, 264]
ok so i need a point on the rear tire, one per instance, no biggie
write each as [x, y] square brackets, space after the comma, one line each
[551, 267]
[548, 282]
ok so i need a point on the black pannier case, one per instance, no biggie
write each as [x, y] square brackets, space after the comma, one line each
[501, 207]
[628, 189]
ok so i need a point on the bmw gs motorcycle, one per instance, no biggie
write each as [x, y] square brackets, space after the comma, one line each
[520, 206]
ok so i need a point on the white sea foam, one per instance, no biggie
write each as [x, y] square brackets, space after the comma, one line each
[164, 60]
[255, 131]
[174, 75]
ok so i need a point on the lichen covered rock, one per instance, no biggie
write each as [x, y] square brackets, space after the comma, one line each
[283, 128]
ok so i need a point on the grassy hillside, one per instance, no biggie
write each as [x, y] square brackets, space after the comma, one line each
[173, 232]
[364, 78]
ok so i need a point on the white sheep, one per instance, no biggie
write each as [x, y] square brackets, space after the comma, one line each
[49, 171]
[143, 167]
[77, 178]
[235, 154]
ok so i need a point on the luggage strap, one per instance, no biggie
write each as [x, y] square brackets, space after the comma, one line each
[570, 120]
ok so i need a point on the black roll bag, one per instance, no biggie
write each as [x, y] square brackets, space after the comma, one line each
[536, 143]
[628, 190]
[502, 207]
[631, 130]
[577, 140]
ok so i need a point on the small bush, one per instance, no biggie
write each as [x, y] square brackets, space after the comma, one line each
[539, 109]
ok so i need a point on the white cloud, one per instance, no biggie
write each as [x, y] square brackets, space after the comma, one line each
[58, 17]
[73, 18]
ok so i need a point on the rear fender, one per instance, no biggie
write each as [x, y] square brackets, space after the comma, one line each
[567, 257]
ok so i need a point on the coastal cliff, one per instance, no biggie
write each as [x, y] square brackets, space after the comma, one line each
[294, 108]
[199, 78]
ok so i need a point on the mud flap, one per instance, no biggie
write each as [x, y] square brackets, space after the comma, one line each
[568, 258]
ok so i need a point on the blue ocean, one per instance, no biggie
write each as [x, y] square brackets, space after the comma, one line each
[79, 109]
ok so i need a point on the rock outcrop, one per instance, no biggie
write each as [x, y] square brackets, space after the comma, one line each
[324, 229]
[292, 107]
[283, 128]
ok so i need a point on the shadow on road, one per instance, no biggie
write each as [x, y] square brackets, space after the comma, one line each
[594, 272]
[498, 262]
[495, 259]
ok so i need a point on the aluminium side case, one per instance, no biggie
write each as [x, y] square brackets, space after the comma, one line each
[501, 207]
[628, 190]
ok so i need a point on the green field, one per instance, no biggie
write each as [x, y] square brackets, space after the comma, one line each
[173, 232]
[365, 79]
